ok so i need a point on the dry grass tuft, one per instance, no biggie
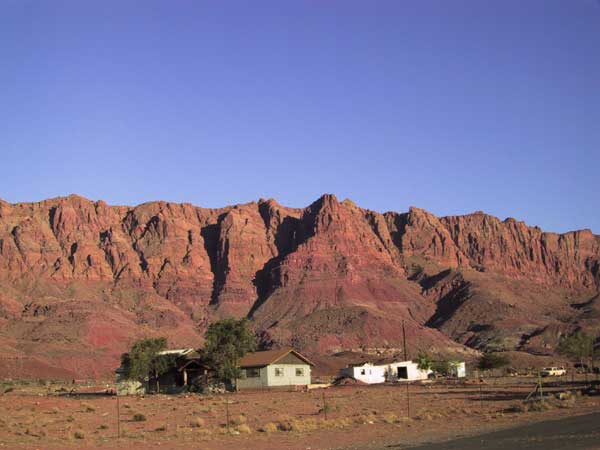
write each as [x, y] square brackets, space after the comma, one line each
[139, 417]
[197, 422]
[269, 427]
[239, 420]
[79, 435]
[390, 418]
[243, 429]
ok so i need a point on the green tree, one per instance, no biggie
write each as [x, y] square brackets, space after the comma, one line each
[423, 361]
[490, 361]
[226, 342]
[143, 360]
[441, 367]
[578, 346]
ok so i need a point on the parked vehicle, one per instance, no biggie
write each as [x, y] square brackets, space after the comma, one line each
[553, 371]
[592, 389]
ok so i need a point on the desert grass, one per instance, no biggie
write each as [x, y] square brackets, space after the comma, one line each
[197, 422]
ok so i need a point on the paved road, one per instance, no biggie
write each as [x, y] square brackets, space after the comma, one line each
[574, 433]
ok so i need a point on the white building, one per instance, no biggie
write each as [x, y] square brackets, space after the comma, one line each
[367, 373]
[395, 371]
[458, 369]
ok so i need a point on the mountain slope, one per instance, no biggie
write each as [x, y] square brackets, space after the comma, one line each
[80, 280]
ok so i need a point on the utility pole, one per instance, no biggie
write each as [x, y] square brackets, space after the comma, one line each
[404, 339]
[118, 415]
[406, 359]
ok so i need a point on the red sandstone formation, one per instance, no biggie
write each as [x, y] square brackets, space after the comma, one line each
[79, 280]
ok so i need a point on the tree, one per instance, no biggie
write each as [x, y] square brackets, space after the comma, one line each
[423, 361]
[226, 341]
[144, 361]
[579, 346]
[490, 361]
[441, 367]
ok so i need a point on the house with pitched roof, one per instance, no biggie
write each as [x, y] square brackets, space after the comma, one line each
[274, 368]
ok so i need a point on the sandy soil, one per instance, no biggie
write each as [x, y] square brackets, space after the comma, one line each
[358, 417]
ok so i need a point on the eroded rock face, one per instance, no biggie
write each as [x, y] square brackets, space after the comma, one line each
[328, 277]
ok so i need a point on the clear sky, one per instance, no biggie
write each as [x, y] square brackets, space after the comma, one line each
[449, 105]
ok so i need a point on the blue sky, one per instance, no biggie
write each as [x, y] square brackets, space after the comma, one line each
[449, 105]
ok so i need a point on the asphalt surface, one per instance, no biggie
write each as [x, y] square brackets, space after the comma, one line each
[582, 432]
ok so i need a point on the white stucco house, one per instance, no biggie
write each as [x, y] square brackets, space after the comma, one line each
[395, 371]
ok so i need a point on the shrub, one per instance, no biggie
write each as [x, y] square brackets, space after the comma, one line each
[239, 420]
[268, 428]
[243, 428]
[197, 422]
[284, 425]
[161, 428]
[390, 418]
[490, 361]
[138, 417]
[87, 408]
[79, 435]
[103, 427]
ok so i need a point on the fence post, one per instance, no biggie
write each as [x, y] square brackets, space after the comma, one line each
[407, 400]
[118, 416]
[324, 403]
[227, 413]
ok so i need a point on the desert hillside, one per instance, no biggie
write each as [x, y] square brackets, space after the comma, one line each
[80, 280]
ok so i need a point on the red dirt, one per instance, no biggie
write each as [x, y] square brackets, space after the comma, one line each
[358, 417]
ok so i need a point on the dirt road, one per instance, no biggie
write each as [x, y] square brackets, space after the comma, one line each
[580, 432]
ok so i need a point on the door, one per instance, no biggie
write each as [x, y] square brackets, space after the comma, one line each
[403, 373]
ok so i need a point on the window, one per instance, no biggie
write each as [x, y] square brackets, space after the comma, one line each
[362, 371]
[299, 372]
[278, 371]
[253, 373]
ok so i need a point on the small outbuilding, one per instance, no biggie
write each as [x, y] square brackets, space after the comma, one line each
[391, 372]
[274, 368]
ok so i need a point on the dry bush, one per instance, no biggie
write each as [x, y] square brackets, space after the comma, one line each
[239, 420]
[161, 428]
[269, 427]
[197, 422]
[339, 423]
[303, 425]
[103, 427]
[79, 435]
[365, 419]
[517, 408]
[244, 429]
[285, 425]
[86, 407]
[70, 419]
[390, 418]
[139, 417]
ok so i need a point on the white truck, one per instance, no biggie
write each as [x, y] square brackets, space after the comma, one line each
[553, 371]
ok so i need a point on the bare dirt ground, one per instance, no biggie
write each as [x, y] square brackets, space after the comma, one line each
[349, 417]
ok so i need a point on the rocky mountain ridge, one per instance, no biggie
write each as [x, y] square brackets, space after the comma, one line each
[82, 276]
